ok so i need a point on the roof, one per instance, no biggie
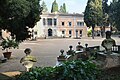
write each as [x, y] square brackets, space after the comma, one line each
[64, 14]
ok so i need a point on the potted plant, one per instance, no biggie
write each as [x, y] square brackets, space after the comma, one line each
[8, 44]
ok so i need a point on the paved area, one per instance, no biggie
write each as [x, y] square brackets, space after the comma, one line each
[45, 50]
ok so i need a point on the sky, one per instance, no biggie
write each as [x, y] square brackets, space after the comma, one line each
[72, 6]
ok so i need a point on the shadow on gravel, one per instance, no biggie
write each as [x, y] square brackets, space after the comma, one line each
[4, 77]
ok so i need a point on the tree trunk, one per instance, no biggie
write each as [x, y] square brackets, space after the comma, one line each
[103, 31]
[93, 26]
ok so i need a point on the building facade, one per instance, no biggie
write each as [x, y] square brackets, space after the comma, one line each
[61, 25]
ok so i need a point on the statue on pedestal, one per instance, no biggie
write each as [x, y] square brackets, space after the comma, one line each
[28, 60]
[108, 43]
[111, 58]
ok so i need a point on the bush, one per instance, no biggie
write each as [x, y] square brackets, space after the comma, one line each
[72, 70]
[8, 44]
[89, 33]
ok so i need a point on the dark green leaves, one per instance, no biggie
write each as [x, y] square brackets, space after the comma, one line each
[18, 15]
[72, 70]
[54, 7]
[9, 43]
[115, 14]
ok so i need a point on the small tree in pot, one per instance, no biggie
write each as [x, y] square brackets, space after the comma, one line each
[8, 44]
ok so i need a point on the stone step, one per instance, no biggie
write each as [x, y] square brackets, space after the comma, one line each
[9, 75]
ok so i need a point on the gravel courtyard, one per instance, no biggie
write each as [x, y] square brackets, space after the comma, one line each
[45, 50]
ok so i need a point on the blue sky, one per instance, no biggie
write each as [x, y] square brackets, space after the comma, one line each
[77, 6]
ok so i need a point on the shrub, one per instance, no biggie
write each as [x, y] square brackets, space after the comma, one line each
[89, 33]
[8, 44]
[71, 70]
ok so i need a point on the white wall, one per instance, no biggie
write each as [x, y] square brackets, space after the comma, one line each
[39, 28]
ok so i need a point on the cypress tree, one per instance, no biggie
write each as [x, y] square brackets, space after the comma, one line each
[64, 8]
[54, 7]
[44, 6]
[61, 9]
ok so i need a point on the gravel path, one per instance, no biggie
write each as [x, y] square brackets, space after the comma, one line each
[45, 50]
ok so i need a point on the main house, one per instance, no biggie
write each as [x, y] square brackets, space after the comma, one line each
[61, 25]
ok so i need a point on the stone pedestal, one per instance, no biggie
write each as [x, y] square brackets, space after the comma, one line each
[108, 61]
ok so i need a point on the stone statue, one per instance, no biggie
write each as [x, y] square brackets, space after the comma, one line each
[108, 43]
[28, 60]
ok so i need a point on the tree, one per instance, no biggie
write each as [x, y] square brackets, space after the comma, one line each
[19, 15]
[44, 6]
[64, 8]
[115, 14]
[105, 21]
[61, 9]
[93, 14]
[54, 7]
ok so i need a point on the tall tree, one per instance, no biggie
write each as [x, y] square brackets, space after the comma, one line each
[64, 8]
[54, 7]
[93, 14]
[61, 9]
[105, 22]
[115, 14]
[18, 16]
[44, 6]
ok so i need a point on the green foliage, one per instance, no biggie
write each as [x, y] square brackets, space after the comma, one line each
[72, 70]
[112, 13]
[19, 11]
[93, 14]
[18, 15]
[54, 7]
[89, 33]
[9, 43]
[62, 8]
[115, 14]
[105, 8]
[44, 6]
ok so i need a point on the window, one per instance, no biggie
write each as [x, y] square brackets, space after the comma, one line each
[70, 32]
[55, 21]
[63, 23]
[63, 32]
[44, 23]
[49, 21]
[80, 23]
[70, 23]
[76, 31]
[80, 31]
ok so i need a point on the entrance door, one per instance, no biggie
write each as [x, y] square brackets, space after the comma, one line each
[49, 32]
[76, 33]
[80, 33]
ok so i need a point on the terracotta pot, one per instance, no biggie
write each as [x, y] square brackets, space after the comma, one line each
[7, 55]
